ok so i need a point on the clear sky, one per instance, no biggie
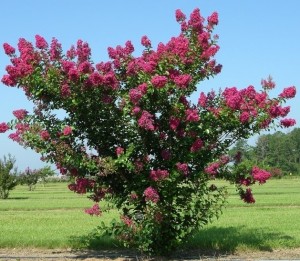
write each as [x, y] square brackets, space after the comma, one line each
[257, 38]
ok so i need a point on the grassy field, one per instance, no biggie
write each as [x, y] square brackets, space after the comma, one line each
[53, 217]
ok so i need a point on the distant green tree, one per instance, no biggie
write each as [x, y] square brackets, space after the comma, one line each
[31, 177]
[8, 176]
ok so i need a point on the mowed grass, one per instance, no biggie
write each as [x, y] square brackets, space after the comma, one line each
[53, 217]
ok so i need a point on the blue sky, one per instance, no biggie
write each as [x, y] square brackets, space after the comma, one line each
[257, 39]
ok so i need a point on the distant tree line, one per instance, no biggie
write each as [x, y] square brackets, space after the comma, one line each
[10, 177]
[278, 152]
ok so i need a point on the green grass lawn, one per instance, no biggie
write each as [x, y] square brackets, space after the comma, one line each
[53, 217]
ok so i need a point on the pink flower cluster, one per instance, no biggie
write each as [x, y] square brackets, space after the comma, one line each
[247, 196]
[67, 131]
[20, 114]
[183, 80]
[40, 42]
[287, 122]
[166, 154]
[212, 168]
[146, 121]
[82, 185]
[288, 93]
[44, 134]
[94, 210]
[159, 81]
[151, 194]
[192, 115]
[260, 175]
[119, 151]
[145, 41]
[3, 127]
[174, 122]
[197, 145]
[8, 49]
[158, 175]
[183, 168]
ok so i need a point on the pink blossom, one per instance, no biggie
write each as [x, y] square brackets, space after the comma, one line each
[71, 53]
[20, 114]
[21, 127]
[8, 80]
[107, 99]
[146, 121]
[166, 154]
[55, 50]
[67, 130]
[158, 175]
[67, 65]
[244, 117]
[143, 88]
[83, 51]
[85, 67]
[174, 122]
[210, 52]
[145, 41]
[65, 90]
[73, 74]
[3, 127]
[159, 81]
[246, 181]
[15, 137]
[40, 42]
[8, 49]
[183, 80]
[182, 168]
[247, 196]
[213, 19]
[129, 48]
[197, 145]
[119, 151]
[287, 122]
[180, 16]
[268, 84]
[260, 175]
[288, 92]
[196, 20]
[136, 110]
[44, 134]
[178, 46]
[94, 210]
[202, 100]
[135, 95]
[151, 195]
[96, 79]
[192, 115]
[232, 97]
[212, 168]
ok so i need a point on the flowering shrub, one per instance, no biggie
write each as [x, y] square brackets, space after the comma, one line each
[130, 134]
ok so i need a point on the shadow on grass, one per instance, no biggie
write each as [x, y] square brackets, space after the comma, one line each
[228, 240]
[210, 242]
[16, 198]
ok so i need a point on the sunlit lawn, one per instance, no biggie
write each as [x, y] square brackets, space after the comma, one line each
[53, 217]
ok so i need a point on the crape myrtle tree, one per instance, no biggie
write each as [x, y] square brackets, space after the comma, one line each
[130, 134]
